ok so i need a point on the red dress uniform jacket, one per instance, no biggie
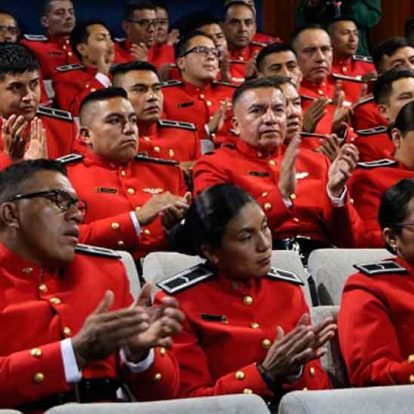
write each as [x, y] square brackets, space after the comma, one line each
[229, 327]
[189, 103]
[39, 308]
[366, 187]
[61, 134]
[375, 325]
[353, 67]
[171, 140]
[72, 84]
[265, 38]
[311, 215]
[51, 52]
[112, 191]
[374, 144]
[366, 115]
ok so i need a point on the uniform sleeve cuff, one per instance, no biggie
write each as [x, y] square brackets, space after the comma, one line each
[72, 373]
[337, 201]
[140, 366]
[135, 222]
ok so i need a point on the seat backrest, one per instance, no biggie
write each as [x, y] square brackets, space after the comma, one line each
[228, 404]
[332, 361]
[396, 399]
[331, 267]
[49, 88]
[6, 411]
[159, 266]
[132, 272]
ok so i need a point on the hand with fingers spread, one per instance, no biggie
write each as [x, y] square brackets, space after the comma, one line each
[37, 147]
[103, 64]
[173, 37]
[287, 177]
[225, 67]
[139, 51]
[164, 321]
[12, 130]
[173, 213]
[341, 169]
[343, 113]
[250, 69]
[219, 117]
[314, 114]
[330, 146]
[105, 331]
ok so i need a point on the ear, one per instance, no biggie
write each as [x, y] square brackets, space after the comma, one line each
[125, 27]
[44, 22]
[390, 239]
[82, 49]
[396, 137]
[85, 135]
[180, 63]
[9, 215]
[235, 125]
[382, 109]
[210, 253]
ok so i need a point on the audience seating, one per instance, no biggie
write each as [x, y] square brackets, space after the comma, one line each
[379, 400]
[332, 361]
[159, 266]
[331, 267]
[132, 273]
[5, 411]
[206, 146]
[229, 404]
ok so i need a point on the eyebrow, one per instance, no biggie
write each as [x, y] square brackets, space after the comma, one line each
[143, 85]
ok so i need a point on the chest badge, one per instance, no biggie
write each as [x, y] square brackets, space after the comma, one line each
[153, 191]
[301, 175]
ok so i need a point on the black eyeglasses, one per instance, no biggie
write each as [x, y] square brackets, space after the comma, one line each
[62, 199]
[13, 30]
[145, 22]
[203, 50]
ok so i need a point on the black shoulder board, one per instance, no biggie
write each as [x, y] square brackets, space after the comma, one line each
[367, 59]
[172, 82]
[372, 131]
[35, 37]
[67, 68]
[186, 279]
[384, 162]
[256, 43]
[363, 101]
[55, 113]
[97, 251]
[232, 85]
[285, 275]
[357, 79]
[140, 157]
[177, 124]
[380, 268]
[67, 159]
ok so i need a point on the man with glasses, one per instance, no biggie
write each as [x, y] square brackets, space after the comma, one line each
[198, 98]
[9, 29]
[140, 25]
[54, 49]
[131, 200]
[79, 330]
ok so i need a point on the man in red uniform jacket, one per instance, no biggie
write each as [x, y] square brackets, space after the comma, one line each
[79, 329]
[302, 194]
[26, 126]
[92, 43]
[198, 98]
[140, 26]
[159, 138]
[130, 199]
[54, 49]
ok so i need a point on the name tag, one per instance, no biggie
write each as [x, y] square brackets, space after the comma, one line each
[214, 318]
[185, 104]
[106, 190]
[259, 174]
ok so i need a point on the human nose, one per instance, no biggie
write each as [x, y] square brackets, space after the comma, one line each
[263, 241]
[130, 128]
[269, 116]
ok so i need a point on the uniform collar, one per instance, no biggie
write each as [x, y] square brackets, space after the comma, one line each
[94, 159]
[252, 152]
[241, 286]
[147, 129]
[240, 54]
[193, 89]
[60, 40]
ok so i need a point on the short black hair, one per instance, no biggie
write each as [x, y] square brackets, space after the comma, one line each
[341, 18]
[16, 59]
[405, 118]
[182, 46]
[237, 3]
[272, 82]
[80, 34]
[14, 176]
[387, 48]
[123, 68]
[160, 4]
[135, 5]
[194, 20]
[101, 95]
[270, 49]
[296, 33]
[383, 85]
[393, 209]
[46, 6]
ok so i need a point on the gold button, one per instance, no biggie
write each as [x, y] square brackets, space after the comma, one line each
[67, 331]
[254, 325]
[272, 163]
[55, 301]
[266, 343]
[147, 232]
[171, 152]
[264, 194]
[292, 196]
[27, 270]
[93, 89]
[320, 91]
[351, 201]
[157, 376]
[267, 206]
[147, 139]
[123, 173]
[36, 352]
[39, 377]
[42, 288]
[240, 375]
[312, 371]
[247, 391]
[296, 220]
[344, 69]
[138, 208]
[87, 85]
[163, 351]
[70, 54]
[247, 300]
[259, 154]
[304, 388]
[411, 379]
[202, 96]
[131, 191]
[411, 358]
[209, 103]
[120, 243]
[157, 149]
[115, 226]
